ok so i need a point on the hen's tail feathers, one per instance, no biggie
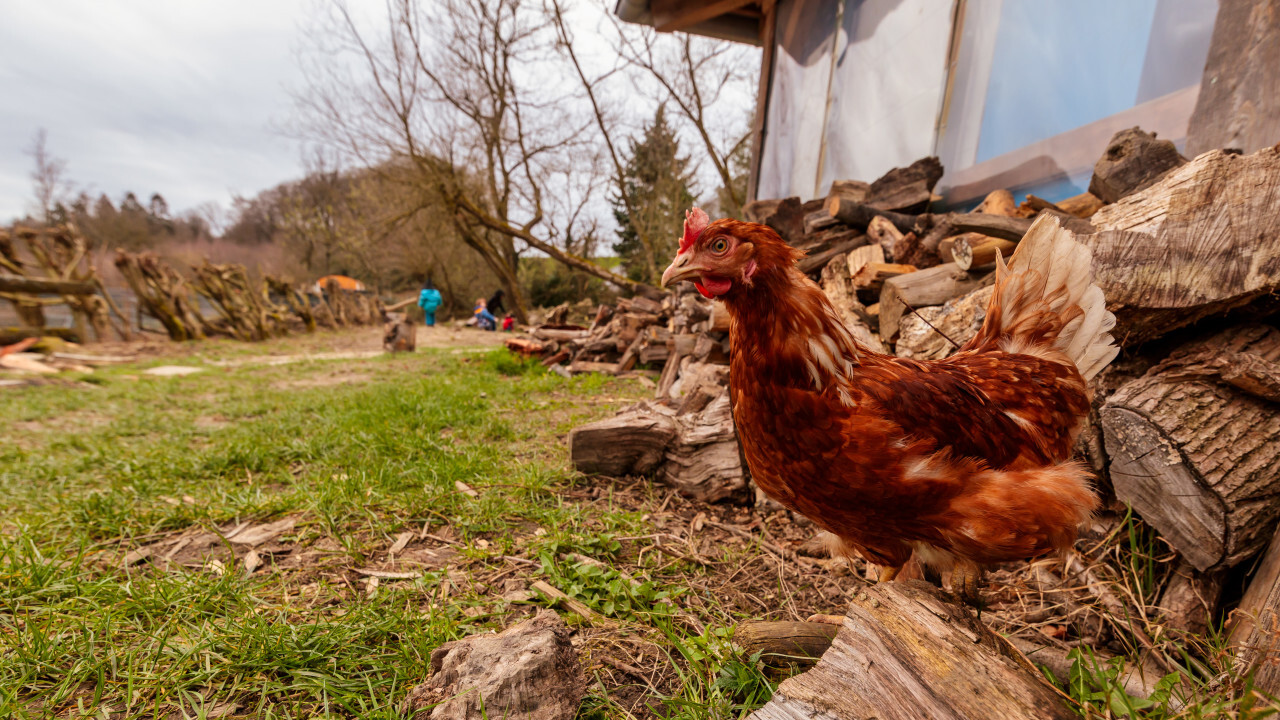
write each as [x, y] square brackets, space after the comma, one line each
[1045, 299]
[1015, 514]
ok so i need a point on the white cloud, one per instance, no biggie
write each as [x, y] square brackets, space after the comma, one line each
[179, 98]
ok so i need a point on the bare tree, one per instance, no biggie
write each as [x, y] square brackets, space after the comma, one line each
[463, 92]
[696, 74]
[49, 176]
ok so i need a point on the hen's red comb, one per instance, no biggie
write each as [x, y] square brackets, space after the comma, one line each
[695, 221]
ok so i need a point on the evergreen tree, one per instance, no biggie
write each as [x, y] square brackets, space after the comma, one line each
[657, 183]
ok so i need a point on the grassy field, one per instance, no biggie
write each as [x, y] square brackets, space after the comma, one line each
[457, 457]
[126, 589]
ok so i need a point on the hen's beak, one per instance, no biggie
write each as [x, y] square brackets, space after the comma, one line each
[681, 269]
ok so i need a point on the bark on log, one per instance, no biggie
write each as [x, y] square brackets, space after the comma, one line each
[1253, 625]
[973, 251]
[633, 442]
[933, 286]
[1190, 600]
[1203, 240]
[1132, 161]
[785, 644]
[704, 463]
[996, 226]
[817, 261]
[908, 189]
[1195, 455]
[903, 652]
[788, 219]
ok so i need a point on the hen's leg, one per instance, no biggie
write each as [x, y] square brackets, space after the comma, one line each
[966, 577]
[889, 572]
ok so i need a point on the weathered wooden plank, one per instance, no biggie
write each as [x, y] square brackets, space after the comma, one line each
[1238, 106]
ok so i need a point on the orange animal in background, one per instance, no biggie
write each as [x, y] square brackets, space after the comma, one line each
[961, 461]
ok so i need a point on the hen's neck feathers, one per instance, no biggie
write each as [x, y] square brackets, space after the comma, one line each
[784, 326]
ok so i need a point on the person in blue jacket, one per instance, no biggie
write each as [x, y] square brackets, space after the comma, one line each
[429, 299]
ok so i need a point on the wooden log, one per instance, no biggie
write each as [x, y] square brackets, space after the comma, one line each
[903, 653]
[1083, 205]
[972, 250]
[15, 284]
[1252, 625]
[1190, 599]
[1194, 453]
[999, 202]
[578, 367]
[544, 333]
[873, 275]
[898, 247]
[817, 261]
[788, 220]
[908, 189]
[864, 256]
[525, 346]
[854, 191]
[839, 289]
[1238, 106]
[1198, 243]
[641, 304]
[936, 332]
[996, 226]
[933, 286]
[785, 644]
[719, 318]
[757, 210]
[1132, 161]
[703, 463]
[633, 442]
[11, 335]
[818, 220]
[858, 215]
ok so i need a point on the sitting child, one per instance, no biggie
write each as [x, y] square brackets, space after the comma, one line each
[484, 319]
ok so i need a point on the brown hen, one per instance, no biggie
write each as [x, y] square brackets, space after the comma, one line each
[961, 461]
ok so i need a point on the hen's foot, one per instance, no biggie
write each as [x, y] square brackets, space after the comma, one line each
[966, 581]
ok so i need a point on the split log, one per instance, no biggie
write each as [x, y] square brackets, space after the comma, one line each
[1083, 205]
[784, 644]
[908, 189]
[932, 333]
[996, 226]
[872, 276]
[703, 463]
[898, 247]
[812, 263]
[1254, 625]
[854, 191]
[1132, 161]
[788, 220]
[859, 215]
[545, 333]
[839, 289]
[903, 652]
[999, 202]
[863, 256]
[529, 671]
[1190, 599]
[1192, 447]
[1203, 240]
[632, 442]
[974, 251]
[9, 283]
[933, 286]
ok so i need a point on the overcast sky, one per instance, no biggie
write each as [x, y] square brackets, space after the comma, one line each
[180, 97]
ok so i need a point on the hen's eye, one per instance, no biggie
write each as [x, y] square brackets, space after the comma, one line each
[719, 246]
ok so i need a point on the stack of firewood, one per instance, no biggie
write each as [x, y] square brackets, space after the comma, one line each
[1187, 420]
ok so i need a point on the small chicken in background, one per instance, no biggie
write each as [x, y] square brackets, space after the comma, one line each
[961, 461]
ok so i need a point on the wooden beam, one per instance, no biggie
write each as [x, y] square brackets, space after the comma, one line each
[673, 15]
[10, 283]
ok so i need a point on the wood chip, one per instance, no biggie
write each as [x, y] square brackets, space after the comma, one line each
[465, 489]
[401, 541]
[251, 561]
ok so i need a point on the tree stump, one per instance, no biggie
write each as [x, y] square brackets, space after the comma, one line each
[903, 652]
[1192, 446]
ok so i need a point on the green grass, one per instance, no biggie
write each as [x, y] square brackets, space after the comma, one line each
[358, 451]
